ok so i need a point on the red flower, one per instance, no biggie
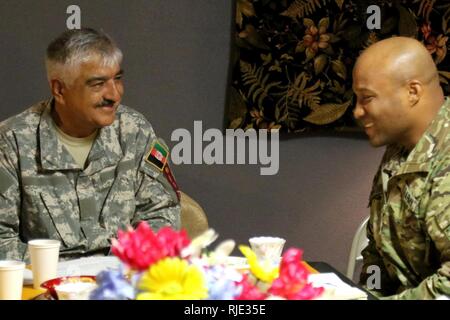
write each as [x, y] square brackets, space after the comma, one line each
[249, 291]
[426, 30]
[437, 45]
[141, 247]
[172, 242]
[293, 283]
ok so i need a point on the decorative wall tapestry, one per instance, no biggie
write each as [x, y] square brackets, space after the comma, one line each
[292, 59]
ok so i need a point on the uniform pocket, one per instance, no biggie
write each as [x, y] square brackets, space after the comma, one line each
[67, 228]
[119, 206]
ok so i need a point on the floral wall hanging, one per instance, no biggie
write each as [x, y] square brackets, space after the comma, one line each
[292, 59]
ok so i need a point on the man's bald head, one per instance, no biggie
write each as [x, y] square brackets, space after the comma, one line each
[396, 83]
[401, 58]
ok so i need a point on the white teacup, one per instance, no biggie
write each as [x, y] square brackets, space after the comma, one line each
[267, 248]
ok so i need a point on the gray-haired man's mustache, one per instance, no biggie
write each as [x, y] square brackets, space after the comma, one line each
[105, 103]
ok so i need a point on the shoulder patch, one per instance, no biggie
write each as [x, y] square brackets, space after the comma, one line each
[157, 155]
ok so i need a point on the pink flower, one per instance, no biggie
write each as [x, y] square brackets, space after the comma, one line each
[293, 283]
[249, 291]
[172, 242]
[141, 247]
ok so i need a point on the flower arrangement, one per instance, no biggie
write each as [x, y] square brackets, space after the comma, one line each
[167, 265]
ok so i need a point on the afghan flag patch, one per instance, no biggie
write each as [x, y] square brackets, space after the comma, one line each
[157, 156]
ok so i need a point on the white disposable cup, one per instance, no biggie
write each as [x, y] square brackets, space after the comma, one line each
[11, 279]
[267, 248]
[44, 254]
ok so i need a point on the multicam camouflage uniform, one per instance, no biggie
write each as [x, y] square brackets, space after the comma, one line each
[409, 226]
[45, 194]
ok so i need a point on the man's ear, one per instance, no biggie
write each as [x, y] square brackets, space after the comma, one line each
[415, 92]
[57, 87]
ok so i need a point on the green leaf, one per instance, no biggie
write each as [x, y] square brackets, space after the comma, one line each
[236, 123]
[445, 74]
[336, 87]
[249, 126]
[339, 68]
[351, 32]
[300, 8]
[334, 38]
[324, 23]
[246, 8]
[267, 58]
[275, 67]
[285, 56]
[319, 63]
[237, 107]
[388, 25]
[300, 47]
[339, 23]
[277, 113]
[407, 25]
[243, 8]
[308, 22]
[444, 23]
[275, 127]
[309, 54]
[340, 3]
[251, 36]
[327, 113]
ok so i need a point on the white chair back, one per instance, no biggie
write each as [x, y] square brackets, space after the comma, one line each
[360, 241]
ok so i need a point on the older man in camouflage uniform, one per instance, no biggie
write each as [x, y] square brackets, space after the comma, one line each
[51, 188]
[401, 104]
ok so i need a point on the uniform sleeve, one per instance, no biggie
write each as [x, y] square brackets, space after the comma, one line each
[371, 255]
[438, 232]
[11, 247]
[157, 201]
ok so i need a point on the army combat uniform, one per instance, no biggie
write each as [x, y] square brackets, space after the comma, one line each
[45, 194]
[409, 226]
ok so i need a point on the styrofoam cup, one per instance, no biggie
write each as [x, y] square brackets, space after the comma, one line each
[11, 279]
[44, 254]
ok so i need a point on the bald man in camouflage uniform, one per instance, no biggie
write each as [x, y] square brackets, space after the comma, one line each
[125, 179]
[401, 105]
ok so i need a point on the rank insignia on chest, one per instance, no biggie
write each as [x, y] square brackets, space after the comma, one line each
[410, 200]
[157, 156]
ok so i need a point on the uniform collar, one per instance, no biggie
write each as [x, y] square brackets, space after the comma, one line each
[105, 152]
[421, 157]
[53, 155]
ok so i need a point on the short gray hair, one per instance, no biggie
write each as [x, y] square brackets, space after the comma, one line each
[74, 47]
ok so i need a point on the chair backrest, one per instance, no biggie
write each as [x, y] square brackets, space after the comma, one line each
[359, 242]
[193, 218]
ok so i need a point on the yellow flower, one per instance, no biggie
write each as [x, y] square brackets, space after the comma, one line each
[264, 271]
[172, 279]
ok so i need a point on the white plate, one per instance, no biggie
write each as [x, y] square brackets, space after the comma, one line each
[90, 266]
